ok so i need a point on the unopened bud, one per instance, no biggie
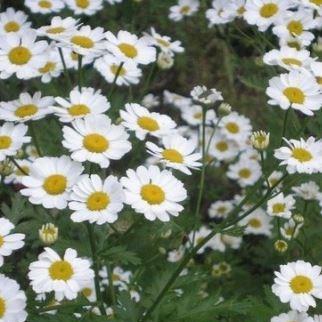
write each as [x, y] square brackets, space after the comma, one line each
[298, 218]
[48, 234]
[165, 60]
[6, 168]
[260, 140]
[281, 246]
[224, 109]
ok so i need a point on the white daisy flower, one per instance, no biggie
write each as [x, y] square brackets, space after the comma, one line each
[17, 175]
[50, 181]
[12, 21]
[220, 13]
[12, 138]
[245, 173]
[88, 290]
[257, 223]
[44, 6]
[139, 119]
[235, 127]
[31, 152]
[64, 276]
[176, 255]
[95, 200]
[184, 8]
[274, 177]
[307, 191]
[176, 153]
[292, 316]
[297, 89]
[263, 13]
[220, 209]
[150, 101]
[154, 193]
[12, 301]
[236, 8]
[8, 242]
[72, 59]
[22, 56]
[290, 229]
[96, 139]
[26, 107]
[302, 156]
[314, 4]
[222, 148]
[193, 115]
[233, 242]
[164, 43]
[179, 101]
[84, 7]
[298, 283]
[81, 103]
[114, 1]
[288, 58]
[297, 25]
[109, 66]
[59, 27]
[316, 69]
[86, 41]
[203, 95]
[127, 46]
[281, 206]
[120, 277]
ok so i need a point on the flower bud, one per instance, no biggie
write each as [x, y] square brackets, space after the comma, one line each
[260, 140]
[165, 60]
[6, 168]
[281, 246]
[48, 234]
[224, 109]
[298, 218]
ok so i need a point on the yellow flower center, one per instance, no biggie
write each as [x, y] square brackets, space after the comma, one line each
[116, 69]
[148, 123]
[5, 142]
[319, 80]
[197, 115]
[95, 143]
[1, 241]
[87, 292]
[241, 10]
[45, 4]
[26, 110]
[222, 209]
[292, 61]
[294, 44]
[185, 10]
[255, 223]
[55, 184]
[268, 10]
[295, 27]
[302, 155]
[55, 30]
[232, 127]
[163, 42]
[222, 146]
[19, 55]
[11, 26]
[82, 3]
[49, 231]
[128, 50]
[83, 42]
[289, 231]
[278, 207]
[172, 155]
[2, 307]
[244, 173]
[152, 194]
[294, 95]
[98, 201]
[301, 284]
[115, 277]
[317, 2]
[78, 110]
[61, 270]
[49, 67]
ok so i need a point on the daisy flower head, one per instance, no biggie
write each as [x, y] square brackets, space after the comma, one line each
[222, 148]
[72, 59]
[245, 173]
[80, 103]
[150, 101]
[198, 236]
[84, 7]
[263, 13]
[257, 223]
[44, 6]
[50, 181]
[96, 200]
[8, 242]
[297, 89]
[220, 209]
[316, 69]
[292, 316]
[12, 21]
[12, 138]
[96, 139]
[110, 66]
[26, 107]
[121, 278]
[184, 8]
[235, 127]
[203, 95]
[192, 114]
[274, 177]
[127, 46]
[21, 55]
[62, 275]
[177, 153]
[301, 156]
[314, 4]
[59, 27]
[281, 206]
[290, 229]
[12, 301]
[88, 291]
[85, 41]
[308, 191]
[139, 119]
[153, 192]
[298, 283]
[288, 58]
[220, 13]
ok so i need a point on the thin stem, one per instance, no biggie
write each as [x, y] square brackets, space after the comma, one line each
[49, 308]
[284, 124]
[148, 80]
[263, 167]
[80, 80]
[18, 166]
[35, 138]
[110, 284]
[117, 74]
[96, 268]
[66, 73]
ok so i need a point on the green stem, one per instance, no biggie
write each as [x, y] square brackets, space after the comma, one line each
[148, 80]
[263, 167]
[117, 74]
[96, 267]
[285, 124]
[110, 285]
[62, 306]
[18, 166]
[80, 80]
[35, 138]
[66, 73]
